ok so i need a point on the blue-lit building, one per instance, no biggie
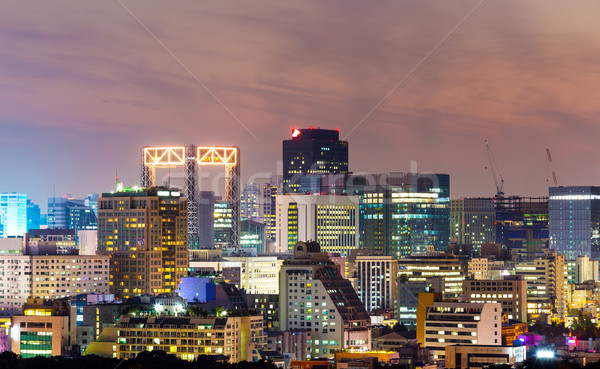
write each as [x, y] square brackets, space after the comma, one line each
[72, 213]
[402, 213]
[223, 223]
[13, 214]
[33, 215]
[252, 235]
[575, 221]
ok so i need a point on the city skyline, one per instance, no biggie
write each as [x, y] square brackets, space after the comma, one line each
[84, 86]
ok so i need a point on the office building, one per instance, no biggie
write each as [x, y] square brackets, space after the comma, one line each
[522, 225]
[402, 213]
[145, 234]
[575, 221]
[87, 241]
[472, 221]
[43, 329]
[190, 337]
[15, 284]
[376, 281]
[250, 199]
[478, 268]
[33, 215]
[511, 292]
[252, 235]
[330, 220]
[447, 266]
[449, 323]
[206, 219]
[69, 213]
[314, 296]
[295, 343]
[50, 242]
[13, 214]
[545, 279]
[310, 154]
[260, 274]
[223, 223]
[270, 190]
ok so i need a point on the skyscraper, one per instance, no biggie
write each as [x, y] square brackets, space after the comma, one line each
[310, 154]
[13, 214]
[402, 213]
[472, 221]
[145, 234]
[206, 220]
[270, 191]
[328, 219]
[33, 215]
[69, 213]
[250, 201]
[575, 221]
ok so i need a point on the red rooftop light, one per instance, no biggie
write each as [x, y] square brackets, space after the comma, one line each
[295, 132]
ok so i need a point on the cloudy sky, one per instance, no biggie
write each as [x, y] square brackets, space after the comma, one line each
[84, 84]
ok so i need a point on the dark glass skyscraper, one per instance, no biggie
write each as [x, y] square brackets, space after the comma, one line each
[310, 154]
[402, 213]
[575, 221]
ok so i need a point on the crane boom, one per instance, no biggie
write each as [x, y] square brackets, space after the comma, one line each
[498, 180]
[550, 163]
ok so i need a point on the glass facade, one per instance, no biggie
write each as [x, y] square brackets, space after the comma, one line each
[402, 213]
[13, 214]
[310, 154]
[36, 344]
[223, 223]
[575, 221]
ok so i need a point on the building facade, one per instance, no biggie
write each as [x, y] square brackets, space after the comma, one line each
[575, 221]
[308, 155]
[402, 213]
[331, 220]
[376, 281]
[473, 221]
[13, 214]
[314, 296]
[511, 292]
[145, 234]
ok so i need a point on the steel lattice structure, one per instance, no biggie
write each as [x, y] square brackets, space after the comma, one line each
[190, 157]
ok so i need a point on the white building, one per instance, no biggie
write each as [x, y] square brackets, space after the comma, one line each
[330, 220]
[250, 201]
[314, 296]
[462, 323]
[88, 242]
[49, 277]
[259, 275]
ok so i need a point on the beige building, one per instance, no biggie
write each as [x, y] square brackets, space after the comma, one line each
[545, 279]
[478, 268]
[447, 266]
[189, 337]
[482, 356]
[511, 292]
[464, 323]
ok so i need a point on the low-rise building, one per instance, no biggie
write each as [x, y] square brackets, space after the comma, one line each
[511, 292]
[481, 356]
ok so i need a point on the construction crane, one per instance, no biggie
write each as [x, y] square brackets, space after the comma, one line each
[550, 164]
[498, 180]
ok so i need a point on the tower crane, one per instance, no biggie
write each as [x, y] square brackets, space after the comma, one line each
[498, 180]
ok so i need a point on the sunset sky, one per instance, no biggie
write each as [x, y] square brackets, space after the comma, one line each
[84, 84]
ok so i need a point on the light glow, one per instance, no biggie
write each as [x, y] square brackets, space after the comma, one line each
[295, 132]
[545, 354]
[164, 156]
[217, 155]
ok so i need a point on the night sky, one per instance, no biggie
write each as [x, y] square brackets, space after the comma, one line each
[84, 84]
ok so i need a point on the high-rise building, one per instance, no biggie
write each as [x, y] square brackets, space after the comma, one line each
[511, 292]
[206, 219]
[472, 221]
[145, 234]
[13, 214]
[575, 221]
[223, 223]
[250, 201]
[270, 191]
[330, 220]
[376, 280]
[68, 213]
[33, 215]
[418, 268]
[314, 296]
[252, 235]
[522, 225]
[311, 153]
[402, 213]
[545, 279]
